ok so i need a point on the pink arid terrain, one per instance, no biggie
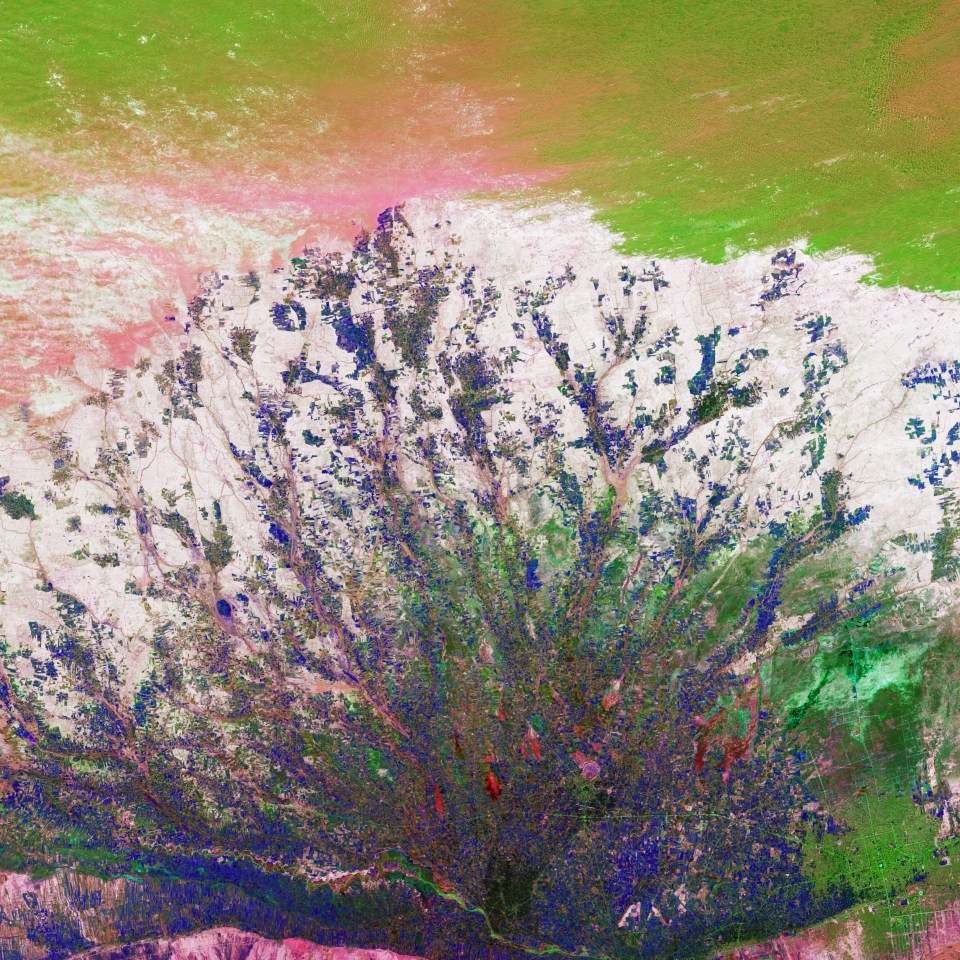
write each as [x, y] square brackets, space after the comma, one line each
[95, 261]
[227, 943]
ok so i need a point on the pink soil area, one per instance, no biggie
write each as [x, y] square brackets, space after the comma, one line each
[103, 293]
[227, 943]
[40, 341]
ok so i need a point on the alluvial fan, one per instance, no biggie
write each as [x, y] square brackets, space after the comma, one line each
[478, 590]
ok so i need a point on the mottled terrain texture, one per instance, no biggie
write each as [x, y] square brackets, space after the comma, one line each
[225, 943]
[477, 591]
